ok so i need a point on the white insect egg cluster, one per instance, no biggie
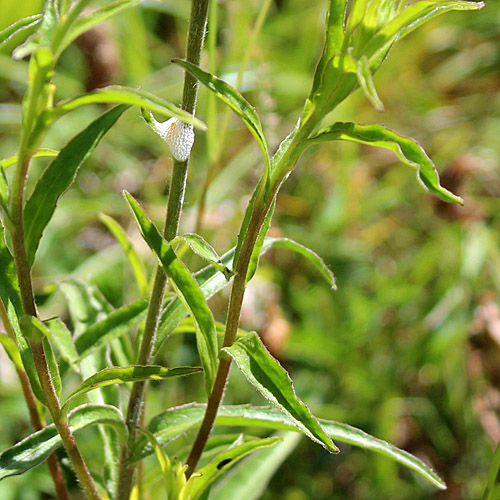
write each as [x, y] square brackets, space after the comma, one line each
[179, 137]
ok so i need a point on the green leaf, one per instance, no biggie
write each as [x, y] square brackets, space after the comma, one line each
[12, 351]
[59, 175]
[176, 421]
[408, 151]
[115, 324]
[61, 337]
[249, 479]
[492, 476]
[234, 100]
[410, 18]
[127, 96]
[121, 375]
[41, 153]
[210, 281]
[53, 366]
[197, 485]
[311, 256]
[85, 23]
[274, 383]
[4, 193]
[135, 261]
[18, 26]
[34, 450]
[187, 290]
[365, 79]
[203, 249]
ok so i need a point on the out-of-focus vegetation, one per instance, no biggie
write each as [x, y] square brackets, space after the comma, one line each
[408, 348]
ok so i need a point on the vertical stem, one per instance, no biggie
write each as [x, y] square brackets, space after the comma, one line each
[29, 307]
[35, 416]
[196, 37]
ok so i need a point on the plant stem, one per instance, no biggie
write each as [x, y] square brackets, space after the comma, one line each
[196, 37]
[261, 208]
[29, 307]
[35, 417]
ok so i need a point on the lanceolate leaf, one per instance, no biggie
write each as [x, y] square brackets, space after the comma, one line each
[35, 449]
[410, 18]
[210, 281]
[59, 334]
[408, 150]
[125, 374]
[176, 421]
[187, 289]
[41, 153]
[127, 96]
[365, 79]
[135, 261]
[12, 351]
[219, 465]
[249, 479]
[234, 100]
[202, 248]
[18, 26]
[274, 383]
[58, 176]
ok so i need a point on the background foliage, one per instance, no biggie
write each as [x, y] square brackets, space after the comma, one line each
[407, 348]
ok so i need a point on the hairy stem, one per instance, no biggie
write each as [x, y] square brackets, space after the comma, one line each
[29, 307]
[36, 418]
[196, 36]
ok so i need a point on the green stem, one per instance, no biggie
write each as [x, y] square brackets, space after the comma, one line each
[35, 417]
[29, 306]
[261, 208]
[196, 36]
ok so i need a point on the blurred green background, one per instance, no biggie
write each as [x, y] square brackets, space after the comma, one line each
[408, 348]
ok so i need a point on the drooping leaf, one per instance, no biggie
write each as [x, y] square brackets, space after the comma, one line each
[234, 100]
[61, 337]
[18, 26]
[202, 248]
[135, 261]
[176, 421]
[134, 373]
[274, 383]
[127, 96]
[41, 153]
[58, 176]
[249, 479]
[210, 281]
[198, 485]
[35, 449]
[187, 290]
[408, 150]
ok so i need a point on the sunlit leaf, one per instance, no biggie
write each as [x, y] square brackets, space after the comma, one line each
[128, 96]
[198, 485]
[274, 383]
[12, 351]
[61, 337]
[234, 100]
[408, 150]
[187, 290]
[121, 375]
[41, 153]
[18, 26]
[35, 449]
[59, 175]
[176, 421]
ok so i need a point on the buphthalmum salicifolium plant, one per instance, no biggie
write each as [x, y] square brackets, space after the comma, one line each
[359, 35]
